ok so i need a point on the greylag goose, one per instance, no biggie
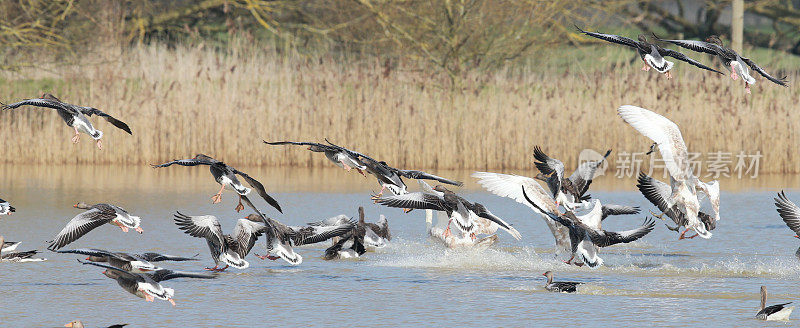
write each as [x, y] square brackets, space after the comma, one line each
[684, 185]
[8, 246]
[228, 249]
[651, 54]
[26, 256]
[738, 65]
[586, 234]
[340, 156]
[614, 209]
[790, 214]
[225, 175]
[566, 191]
[559, 286]
[74, 116]
[373, 235]
[658, 192]
[775, 312]
[79, 324]
[281, 238]
[95, 216]
[134, 263]
[457, 208]
[6, 208]
[147, 285]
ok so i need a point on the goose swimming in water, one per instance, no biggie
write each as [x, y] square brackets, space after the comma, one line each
[658, 192]
[340, 156]
[559, 286]
[738, 65]
[225, 175]
[790, 213]
[566, 191]
[147, 285]
[95, 216]
[6, 208]
[651, 54]
[684, 185]
[775, 312]
[134, 263]
[458, 209]
[7, 256]
[74, 116]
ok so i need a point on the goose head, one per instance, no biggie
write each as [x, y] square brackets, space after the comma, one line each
[440, 188]
[254, 218]
[74, 324]
[49, 96]
[642, 38]
[715, 40]
[82, 205]
[549, 275]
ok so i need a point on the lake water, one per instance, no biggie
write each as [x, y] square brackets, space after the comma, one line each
[657, 281]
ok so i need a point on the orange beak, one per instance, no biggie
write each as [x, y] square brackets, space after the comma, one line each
[75, 206]
[87, 258]
[68, 325]
[796, 236]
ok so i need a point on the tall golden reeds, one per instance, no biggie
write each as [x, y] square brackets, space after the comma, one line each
[190, 100]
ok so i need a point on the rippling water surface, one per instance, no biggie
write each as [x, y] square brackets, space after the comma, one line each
[657, 281]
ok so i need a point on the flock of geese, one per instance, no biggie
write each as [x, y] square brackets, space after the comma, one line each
[573, 216]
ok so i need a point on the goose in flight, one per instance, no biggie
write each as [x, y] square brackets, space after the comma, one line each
[94, 216]
[281, 238]
[74, 116]
[6, 208]
[79, 324]
[147, 285]
[225, 175]
[651, 54]
[227, 249]
[457, 208]
[738, 65]
[566, 191]
[790, 213]
[340, 156]
[586, 234]
[684, 185]
[559, 286]
[775, 312]
[371, 235]
[658, 192]
[134, 263]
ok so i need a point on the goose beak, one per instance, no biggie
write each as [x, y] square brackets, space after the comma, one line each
[75, 206]
[796, 236]
[87, 258]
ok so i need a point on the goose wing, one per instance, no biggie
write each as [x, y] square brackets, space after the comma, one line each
[614, 209]
[604, 238]
[184, 162]
[204, 226]
[682, 57]
[584, 174]
[122, 273]
[415, 200]
[165, 274]
[157, 257]
[333, 221]
[299, 143]
[699, 46]
[550, 167]
[665, 134]
[611, 38]
[39, 102]
[483, 212]
[89, 111]
[655, 191]
[414, 174]
[80, 225]
[260, 189]
[752, 64]
[789, 212]
[90, 252]
[246, 234]
[510, 186]
[315, 234]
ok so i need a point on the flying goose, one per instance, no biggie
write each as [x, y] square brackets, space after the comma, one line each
[95, 216]
[147, 285]
[371, 235]
[566, 191]
[6, 208]
[737, 64]
[559, 286]
[225, 175]
[790, 214]
[651, 54]
[281, 238]
[685, 186]
[228, 249]
[134, 263]
[658, 192]
[586, 234]
[340, 156]
[458, 209]
[79, 324]
[775, 312]
[74, 116]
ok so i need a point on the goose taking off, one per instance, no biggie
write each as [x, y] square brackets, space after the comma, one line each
[458, 209]
[775, 312]
[74, 116]
[6, 208]
[586, 234]
[738, 65]
[225, 175]
[684, 185]
[340, 156]
[651, 54]
[790, 213]
[371, 235]
[566, 191]
[281, 238]
[228, 249]
[134, 263]
[658, 192]
[559, 286]
[95, 216]
[147, 285]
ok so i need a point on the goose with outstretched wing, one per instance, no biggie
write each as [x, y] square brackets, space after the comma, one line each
[95, 216]
[340, 156]
[738, 65]
[74, 116]
[135, 263]
[227, 249]
[226, 176]
[566, 191]
[657, 192]
[790, 213]
[651, 54]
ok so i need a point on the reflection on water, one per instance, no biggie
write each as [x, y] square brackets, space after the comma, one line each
[655, 281]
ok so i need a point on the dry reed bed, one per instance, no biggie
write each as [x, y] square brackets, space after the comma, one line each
[181, 102]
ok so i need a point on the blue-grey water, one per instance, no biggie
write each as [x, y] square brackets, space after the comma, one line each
[657, 281]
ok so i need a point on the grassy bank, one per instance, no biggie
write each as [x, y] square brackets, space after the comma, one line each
[182, 101]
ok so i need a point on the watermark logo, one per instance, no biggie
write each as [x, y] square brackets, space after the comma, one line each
[590, 155]
[712, 165]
